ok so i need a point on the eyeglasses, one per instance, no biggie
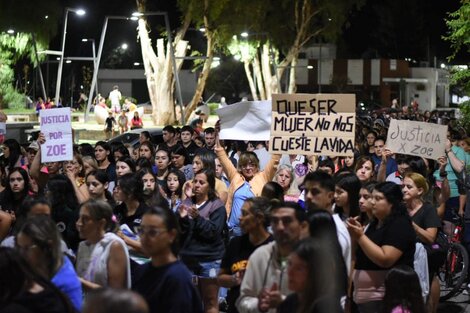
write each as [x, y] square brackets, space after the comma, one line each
[149, 231]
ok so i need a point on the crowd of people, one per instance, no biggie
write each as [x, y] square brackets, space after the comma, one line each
[197, 224]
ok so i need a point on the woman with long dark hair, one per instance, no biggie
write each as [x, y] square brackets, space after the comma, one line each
[152, 196]
[16, 191]
[205, 160]
[40, 242]
[347, 187]
[202, 219]
[97, 182]
[181, 161]
[165, 282]
[129, 190]
[173, 190]
[21, 290]
[163, 162]
[12, 154]
[64, 204]
[389, 240]
[315, 277]
[403, 291]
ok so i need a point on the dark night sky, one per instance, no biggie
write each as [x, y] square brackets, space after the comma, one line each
[355, 41]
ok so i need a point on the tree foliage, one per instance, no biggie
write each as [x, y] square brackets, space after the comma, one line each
[458, 23]
[26, 19]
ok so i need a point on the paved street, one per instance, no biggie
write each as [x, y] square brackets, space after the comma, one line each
[459, 304]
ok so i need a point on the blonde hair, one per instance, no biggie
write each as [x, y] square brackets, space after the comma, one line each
[419, 181]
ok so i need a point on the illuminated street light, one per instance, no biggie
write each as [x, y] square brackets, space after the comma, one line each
[79, 12]
[202, 29]
[244, 34]
[10, 31]
[68, 61]
[124, 46]
[136, 64]
[443, 65]
[310, 67]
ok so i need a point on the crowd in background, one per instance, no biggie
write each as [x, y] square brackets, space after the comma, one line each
[199, 224]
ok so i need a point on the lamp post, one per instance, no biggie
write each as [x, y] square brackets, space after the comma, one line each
[93, 49]
[97, 61]
[79, 12]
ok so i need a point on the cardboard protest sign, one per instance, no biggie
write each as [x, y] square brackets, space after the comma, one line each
[248, 120]
[57, 128]
[313, 124]
[417, 138]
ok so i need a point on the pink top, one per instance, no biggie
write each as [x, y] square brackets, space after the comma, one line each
[400, 309]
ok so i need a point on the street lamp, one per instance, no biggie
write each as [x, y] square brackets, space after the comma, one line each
[10, 31]
[93, 50]
[79, 12]
[97, 61]
[124, 46]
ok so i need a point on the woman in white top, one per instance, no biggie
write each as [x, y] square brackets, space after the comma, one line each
[102, 258]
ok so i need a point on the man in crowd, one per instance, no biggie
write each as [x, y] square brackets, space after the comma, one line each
[187, 133]
[264, 285]
[209, 138]
[319, 195]
[169, 136]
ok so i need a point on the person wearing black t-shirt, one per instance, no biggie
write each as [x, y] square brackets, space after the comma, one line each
[253, 222]
[187, 133]
[165, 282]
[388, 241]
[129, 189]
[426, 223]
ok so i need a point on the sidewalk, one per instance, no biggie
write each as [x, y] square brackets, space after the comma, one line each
[459, 304]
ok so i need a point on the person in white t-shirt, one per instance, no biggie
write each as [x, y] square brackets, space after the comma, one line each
[115, 98]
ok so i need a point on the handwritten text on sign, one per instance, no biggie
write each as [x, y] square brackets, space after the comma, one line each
[417, 138]
[57, 128]
[321, 124]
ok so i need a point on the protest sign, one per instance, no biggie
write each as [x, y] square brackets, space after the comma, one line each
[247, 120]
[417, 138]
[57, 128]
[313, 124]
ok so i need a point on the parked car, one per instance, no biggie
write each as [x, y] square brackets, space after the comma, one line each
[132, 137]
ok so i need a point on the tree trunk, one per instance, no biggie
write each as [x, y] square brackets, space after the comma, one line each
[159, 70]
[251, 82]
[292, 81]
[259, 78]
[266, 70]
[201, 83]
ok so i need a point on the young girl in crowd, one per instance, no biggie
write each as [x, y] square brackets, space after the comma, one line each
[124, 165]
[174, 188]
[402, 291]
[97, 182]
[162, 161]
[347, 187]
[40, 241]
